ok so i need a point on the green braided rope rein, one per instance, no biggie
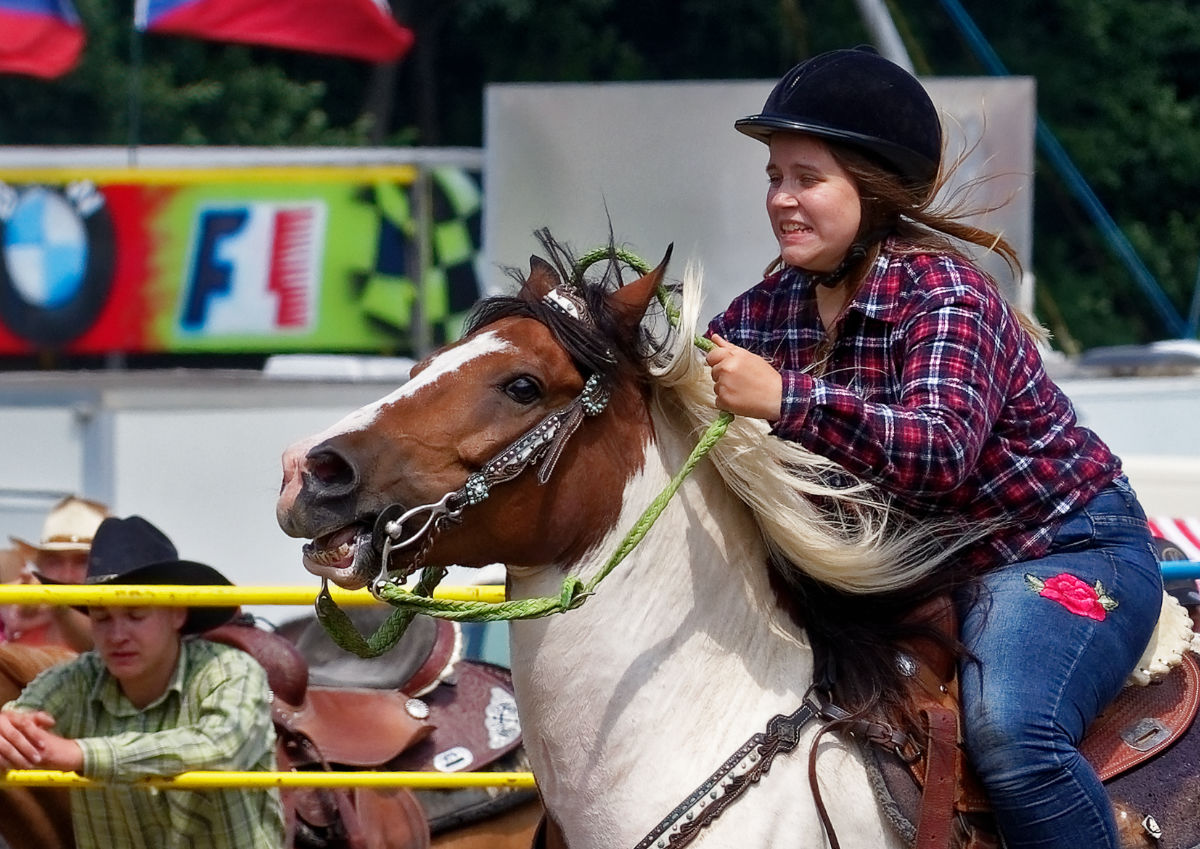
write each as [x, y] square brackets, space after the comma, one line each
[594, 256]
[574, 592]
[641, 267]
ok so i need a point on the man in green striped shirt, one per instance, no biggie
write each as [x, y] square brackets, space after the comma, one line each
[151, 699]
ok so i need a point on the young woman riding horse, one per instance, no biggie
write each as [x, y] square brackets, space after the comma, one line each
[875, 342]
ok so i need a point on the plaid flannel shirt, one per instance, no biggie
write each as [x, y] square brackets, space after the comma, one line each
[932, 391]
[215, 714]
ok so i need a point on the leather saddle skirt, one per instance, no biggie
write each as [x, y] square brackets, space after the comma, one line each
[465, 721]
[1143, 721]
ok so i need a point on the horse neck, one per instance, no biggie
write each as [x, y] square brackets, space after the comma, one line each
[687, 626]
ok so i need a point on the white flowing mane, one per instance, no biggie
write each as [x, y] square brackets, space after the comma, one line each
[854, 541]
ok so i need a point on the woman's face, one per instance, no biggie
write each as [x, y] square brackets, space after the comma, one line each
[812, 202]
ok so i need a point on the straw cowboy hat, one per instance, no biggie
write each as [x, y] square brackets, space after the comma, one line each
[69, 526]
[133, 551]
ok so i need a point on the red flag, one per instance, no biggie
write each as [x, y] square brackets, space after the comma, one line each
[358, 29]
[41, 38]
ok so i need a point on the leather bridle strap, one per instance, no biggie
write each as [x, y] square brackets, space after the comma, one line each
[942, 767]
[542, 444]
[876, 733]
[721, 789]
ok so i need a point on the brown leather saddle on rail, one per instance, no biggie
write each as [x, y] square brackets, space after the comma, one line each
[417, 707]
[929, 790]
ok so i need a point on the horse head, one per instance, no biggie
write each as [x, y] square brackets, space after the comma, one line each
[525, 359]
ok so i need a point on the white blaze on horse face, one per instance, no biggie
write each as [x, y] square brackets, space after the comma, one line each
[446, 363]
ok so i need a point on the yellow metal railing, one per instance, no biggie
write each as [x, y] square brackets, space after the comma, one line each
[216, 779]
[128, 595]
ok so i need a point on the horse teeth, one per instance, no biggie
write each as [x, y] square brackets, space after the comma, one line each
[331, 556]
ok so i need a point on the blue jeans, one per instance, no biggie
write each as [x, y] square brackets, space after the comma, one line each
[1049, 652]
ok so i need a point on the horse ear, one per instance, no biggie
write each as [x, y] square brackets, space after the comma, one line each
[542, 277]
[630, 301]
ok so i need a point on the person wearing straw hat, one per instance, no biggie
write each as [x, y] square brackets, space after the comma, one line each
[151, 699]
[59, 557]
[12, 567]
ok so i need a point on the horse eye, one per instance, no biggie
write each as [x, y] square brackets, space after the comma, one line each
[523, 390]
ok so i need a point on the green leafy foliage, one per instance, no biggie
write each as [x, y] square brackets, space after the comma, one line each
[187, 92]
[1117, 84]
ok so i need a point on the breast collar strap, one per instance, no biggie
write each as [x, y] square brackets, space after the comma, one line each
[735, 776]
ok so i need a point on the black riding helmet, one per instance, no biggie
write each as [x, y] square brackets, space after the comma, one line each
[859, 98]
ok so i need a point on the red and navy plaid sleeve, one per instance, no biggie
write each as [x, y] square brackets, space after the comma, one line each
[931, 390]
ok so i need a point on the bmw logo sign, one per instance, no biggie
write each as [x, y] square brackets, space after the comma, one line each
[56, 261]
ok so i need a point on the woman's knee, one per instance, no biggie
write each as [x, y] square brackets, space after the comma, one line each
[1011, 746]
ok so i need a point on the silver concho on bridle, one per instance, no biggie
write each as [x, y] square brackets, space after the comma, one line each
[543, 444]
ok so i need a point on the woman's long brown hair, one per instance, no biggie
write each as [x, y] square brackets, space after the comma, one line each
[922, 221]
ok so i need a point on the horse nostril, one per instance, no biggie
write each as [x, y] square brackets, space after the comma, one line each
[329, 469]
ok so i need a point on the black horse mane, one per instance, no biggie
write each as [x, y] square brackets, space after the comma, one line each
[600, 347]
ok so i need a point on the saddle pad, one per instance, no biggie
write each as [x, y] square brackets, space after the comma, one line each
[449, 809]
[1173, 637]
[474, 714]
[1143, 720]
[429, 647]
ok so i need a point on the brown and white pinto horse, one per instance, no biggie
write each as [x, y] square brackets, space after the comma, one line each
[629, 702]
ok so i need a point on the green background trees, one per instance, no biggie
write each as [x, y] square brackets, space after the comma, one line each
[1117, 84]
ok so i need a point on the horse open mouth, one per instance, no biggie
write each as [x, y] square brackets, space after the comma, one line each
[345, 556]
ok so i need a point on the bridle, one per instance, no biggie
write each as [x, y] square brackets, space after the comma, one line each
[543, 444]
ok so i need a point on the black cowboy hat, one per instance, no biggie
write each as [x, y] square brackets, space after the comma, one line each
[133, 551]
[859, 98]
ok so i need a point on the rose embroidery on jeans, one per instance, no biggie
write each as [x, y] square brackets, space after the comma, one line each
[1075, 595]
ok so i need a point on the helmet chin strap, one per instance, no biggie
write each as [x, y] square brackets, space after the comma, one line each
[853, 257]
